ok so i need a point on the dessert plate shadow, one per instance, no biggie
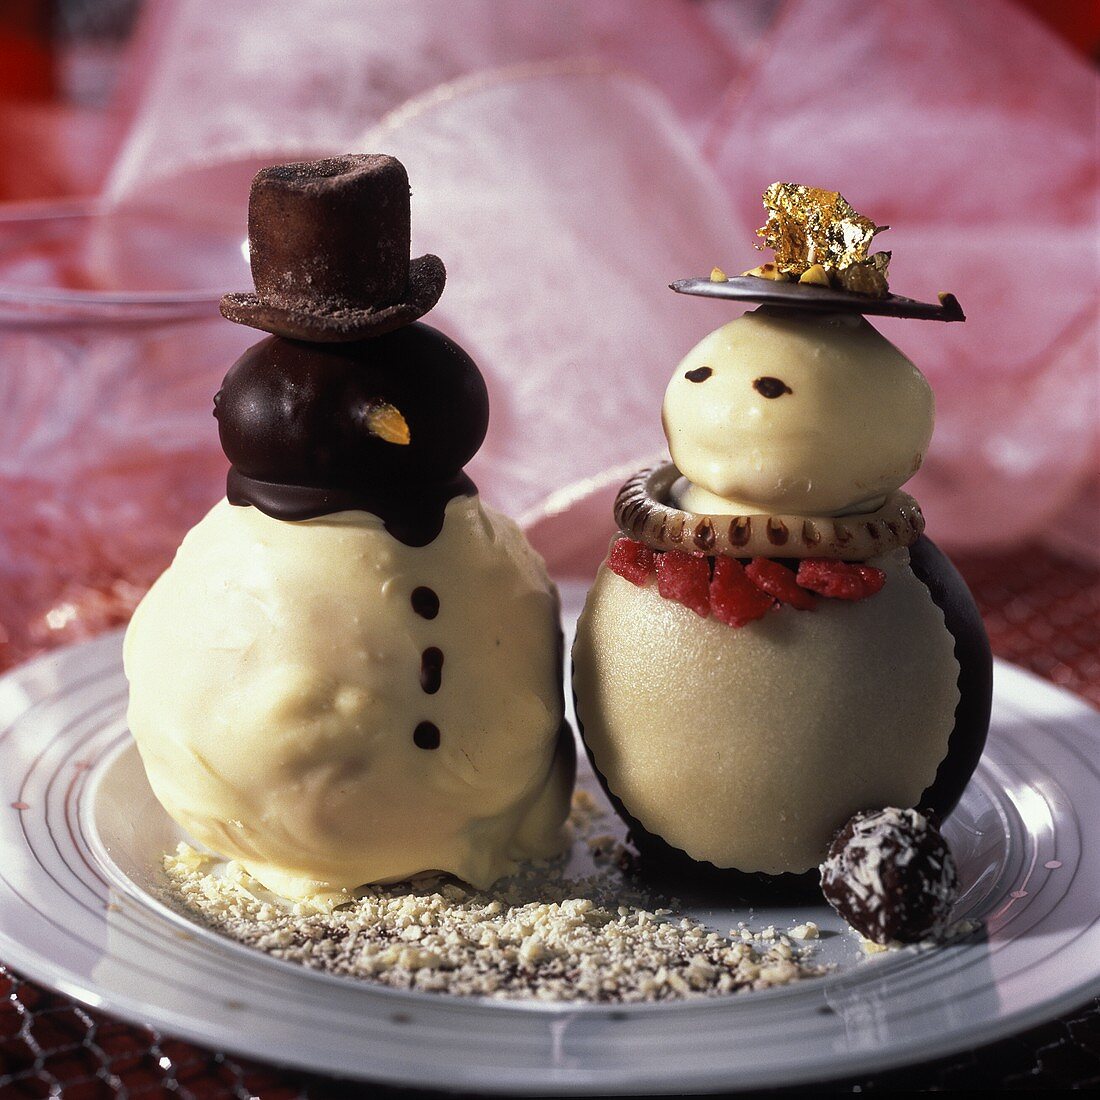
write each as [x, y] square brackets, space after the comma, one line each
[81, 910]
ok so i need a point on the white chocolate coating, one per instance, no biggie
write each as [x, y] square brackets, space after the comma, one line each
[275, 685]
[854, 428]
[750, 747]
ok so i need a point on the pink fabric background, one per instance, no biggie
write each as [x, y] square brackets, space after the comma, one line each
[569, 159]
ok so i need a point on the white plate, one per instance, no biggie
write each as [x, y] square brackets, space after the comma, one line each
[81, 835]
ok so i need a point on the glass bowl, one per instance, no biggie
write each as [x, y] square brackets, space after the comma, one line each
[111, 349]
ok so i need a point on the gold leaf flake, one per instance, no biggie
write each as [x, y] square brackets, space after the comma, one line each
[808, 226]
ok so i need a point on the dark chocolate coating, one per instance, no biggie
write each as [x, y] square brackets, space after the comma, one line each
[427, 736]
[431, 670]
[808, 298]
[891, 876]
[948, 590]
[949, 593]
[293, 421]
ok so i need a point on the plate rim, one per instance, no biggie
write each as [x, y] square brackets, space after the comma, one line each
[911, 1052]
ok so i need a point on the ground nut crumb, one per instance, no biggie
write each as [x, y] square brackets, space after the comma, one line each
[538, 935]
[807, 931]
[869, 947]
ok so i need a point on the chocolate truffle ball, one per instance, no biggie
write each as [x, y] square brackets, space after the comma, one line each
[303, 414]
[891, 876]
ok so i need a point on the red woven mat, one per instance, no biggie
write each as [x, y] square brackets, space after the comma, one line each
[1042, 612]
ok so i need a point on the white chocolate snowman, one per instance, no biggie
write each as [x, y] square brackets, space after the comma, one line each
[747, 746]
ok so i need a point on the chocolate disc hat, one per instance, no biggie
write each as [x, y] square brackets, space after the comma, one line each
[329, 249]
[822, 262]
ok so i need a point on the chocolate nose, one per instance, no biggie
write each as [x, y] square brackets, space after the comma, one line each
[387, 423]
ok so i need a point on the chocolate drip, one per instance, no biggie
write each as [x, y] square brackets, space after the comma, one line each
[425, 602]
[414, 518]
[431, 670]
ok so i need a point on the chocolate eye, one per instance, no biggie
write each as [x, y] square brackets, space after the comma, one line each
[771, 387]
[700, 374]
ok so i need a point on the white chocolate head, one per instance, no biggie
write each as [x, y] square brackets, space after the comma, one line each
[796, 414]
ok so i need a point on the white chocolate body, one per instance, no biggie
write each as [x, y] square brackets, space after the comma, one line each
[275, 685]
[749, 747]
[854, 427]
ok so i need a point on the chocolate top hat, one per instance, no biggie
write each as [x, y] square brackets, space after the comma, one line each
[329, 247]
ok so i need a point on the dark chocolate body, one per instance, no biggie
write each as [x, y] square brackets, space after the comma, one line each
[949, 592]
[294, 420]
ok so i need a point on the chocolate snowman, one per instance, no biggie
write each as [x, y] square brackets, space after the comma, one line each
[351, 671]
[773, 645]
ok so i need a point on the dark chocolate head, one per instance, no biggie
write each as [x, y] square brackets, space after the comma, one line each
[368, 424]
[329, 249]
[890, 875]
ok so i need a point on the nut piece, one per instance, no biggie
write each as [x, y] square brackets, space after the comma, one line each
[807, 931]
[717, 275]
[386, 422]
[815, 274]
[767, 271]
[867, 276]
